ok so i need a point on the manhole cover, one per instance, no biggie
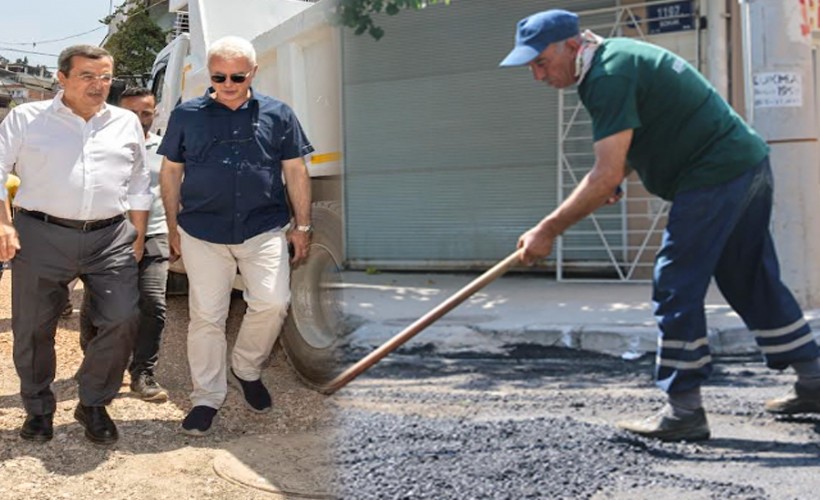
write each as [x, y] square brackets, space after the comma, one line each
[295, 465]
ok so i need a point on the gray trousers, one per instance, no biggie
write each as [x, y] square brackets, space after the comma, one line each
[50, 257]
[153, 278]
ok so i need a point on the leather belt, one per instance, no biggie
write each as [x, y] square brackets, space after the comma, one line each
[82, 225]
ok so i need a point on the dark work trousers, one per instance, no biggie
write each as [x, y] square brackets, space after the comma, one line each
[50, 257]
[153, 277]
[723, 231]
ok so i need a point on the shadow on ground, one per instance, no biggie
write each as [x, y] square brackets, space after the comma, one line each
[152, 429]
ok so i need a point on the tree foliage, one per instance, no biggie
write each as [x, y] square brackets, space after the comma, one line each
[137, 41]
[358, 14]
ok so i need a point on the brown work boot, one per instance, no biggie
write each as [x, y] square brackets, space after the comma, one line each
[144, 386]
[665, 426]
[798, 400]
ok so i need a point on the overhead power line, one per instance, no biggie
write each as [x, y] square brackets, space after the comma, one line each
[29, 52]
[54, 40]
[41, 42]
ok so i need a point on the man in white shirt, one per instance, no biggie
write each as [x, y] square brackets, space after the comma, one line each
[153, 268]
[82, 167]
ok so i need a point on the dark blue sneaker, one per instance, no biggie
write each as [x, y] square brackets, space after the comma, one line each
[199, 421]
[253, 392]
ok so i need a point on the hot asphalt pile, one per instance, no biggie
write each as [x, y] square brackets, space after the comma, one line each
[390, 456]
[540, 424]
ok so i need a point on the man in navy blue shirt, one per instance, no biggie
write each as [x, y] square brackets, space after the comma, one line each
[230, 210]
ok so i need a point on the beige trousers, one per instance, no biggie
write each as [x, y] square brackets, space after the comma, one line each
[263, 263]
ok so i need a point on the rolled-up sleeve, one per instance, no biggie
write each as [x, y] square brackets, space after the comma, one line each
[10, 140]
[139, 185]
[295, 143]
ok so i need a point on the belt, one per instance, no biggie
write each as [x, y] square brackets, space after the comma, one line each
[82, 225]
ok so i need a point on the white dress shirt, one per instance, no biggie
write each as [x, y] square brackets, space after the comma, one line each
[71, 168]
[156, 219]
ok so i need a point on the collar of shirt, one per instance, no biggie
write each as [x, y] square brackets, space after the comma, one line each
[210, 101]
[58, 106]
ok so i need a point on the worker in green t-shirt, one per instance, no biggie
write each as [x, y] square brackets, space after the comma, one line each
[653, 113]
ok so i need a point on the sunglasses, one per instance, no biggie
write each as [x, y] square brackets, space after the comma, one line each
[236, 78]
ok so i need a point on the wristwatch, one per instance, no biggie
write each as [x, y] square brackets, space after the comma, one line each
[307, 228]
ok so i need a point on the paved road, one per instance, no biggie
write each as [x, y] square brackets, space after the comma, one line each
[538, 425]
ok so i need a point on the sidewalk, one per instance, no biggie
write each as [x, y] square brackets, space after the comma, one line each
[514, 310]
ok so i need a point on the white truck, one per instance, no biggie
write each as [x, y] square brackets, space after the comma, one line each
[298, 52]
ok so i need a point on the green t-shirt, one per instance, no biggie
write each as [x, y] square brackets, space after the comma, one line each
[685, 135]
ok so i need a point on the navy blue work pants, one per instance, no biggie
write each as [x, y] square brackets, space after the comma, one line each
[723, 231]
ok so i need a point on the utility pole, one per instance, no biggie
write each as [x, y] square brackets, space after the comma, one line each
[717, 59]
[781, 92]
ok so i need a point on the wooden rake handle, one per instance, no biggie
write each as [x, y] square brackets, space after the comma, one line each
[420, 324]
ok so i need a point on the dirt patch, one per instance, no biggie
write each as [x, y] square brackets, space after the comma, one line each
[152, 459]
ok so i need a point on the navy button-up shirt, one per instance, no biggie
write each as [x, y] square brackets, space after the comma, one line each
[232, 189]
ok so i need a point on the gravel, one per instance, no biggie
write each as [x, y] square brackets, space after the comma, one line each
[392, 456]
[432, 427]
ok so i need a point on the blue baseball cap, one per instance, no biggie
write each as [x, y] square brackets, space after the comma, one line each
[535, 32]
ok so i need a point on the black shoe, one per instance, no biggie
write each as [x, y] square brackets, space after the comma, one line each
[253, 392]
[39, 428]
[144, 385]
[666, 426]
[199, 421]
[99, 428]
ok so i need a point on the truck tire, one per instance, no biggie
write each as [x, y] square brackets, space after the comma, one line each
[313, 330]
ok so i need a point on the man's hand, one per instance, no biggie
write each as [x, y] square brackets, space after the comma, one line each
[301, 246]
[536, 243]
[170, 182]
[139, 218]
[174, 245]
[298, 186]
[9, 243]
[139, 248]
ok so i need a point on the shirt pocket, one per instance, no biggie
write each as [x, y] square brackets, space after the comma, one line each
[269, 138]
[32, 154]
[199, 141]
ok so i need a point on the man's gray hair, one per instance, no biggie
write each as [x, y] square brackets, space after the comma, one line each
[232, 47]
[87, 51]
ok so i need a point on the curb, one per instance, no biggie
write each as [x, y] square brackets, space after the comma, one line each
[628, 342]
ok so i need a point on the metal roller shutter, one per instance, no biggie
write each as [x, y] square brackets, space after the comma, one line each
[448, 158]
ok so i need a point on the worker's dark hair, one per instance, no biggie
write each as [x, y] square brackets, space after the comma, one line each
[136, 92]
[88, 51]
